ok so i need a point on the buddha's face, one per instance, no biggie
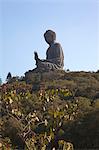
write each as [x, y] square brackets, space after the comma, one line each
[49, 37]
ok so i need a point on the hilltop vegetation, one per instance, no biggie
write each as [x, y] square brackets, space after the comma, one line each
[50, 110]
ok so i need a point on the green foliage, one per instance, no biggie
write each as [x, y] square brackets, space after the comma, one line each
[40, 121]
[47, 118]
[83, 103]
[96, 104]
[0, 81]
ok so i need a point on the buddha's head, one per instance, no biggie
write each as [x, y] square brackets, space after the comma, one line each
[50, 36]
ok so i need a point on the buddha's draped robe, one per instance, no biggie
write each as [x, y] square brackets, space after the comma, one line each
[54, 58]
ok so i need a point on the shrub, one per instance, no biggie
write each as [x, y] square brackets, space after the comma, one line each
[96, 104]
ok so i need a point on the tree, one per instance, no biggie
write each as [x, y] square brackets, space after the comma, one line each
[0, 81]
[9, 76]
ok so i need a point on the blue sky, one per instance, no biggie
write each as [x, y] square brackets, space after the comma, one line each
[23, 23]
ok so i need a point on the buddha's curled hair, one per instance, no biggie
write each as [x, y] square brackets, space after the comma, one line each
[50, 32]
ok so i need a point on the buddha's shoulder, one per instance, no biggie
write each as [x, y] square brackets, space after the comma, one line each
[57, 45]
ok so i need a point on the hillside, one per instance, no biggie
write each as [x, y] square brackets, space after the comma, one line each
[50, 110]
